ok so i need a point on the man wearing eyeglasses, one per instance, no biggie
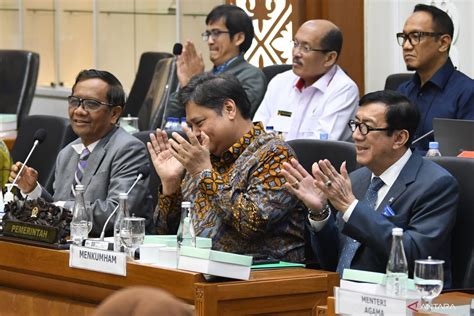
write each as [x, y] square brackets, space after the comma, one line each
[437, 88]
[105, 158]
[229, 34]
[315, 97]
[351, 217]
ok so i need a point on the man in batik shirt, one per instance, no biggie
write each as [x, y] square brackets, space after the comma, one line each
[230, 170]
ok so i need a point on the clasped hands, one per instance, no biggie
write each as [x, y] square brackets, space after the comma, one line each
[171, 157]
[325, 184]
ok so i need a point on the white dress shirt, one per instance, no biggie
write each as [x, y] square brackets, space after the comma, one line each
[305, 112]
[36, 193]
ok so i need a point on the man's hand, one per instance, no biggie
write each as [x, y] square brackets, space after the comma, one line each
[27, 180]
[336, 186]
[188, 64]
[193, 155]
[169, 169]
[302, 184]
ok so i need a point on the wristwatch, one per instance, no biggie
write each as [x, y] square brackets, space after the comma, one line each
[321, 215]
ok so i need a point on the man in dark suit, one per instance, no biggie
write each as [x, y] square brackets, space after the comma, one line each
[395, 188]
[229, 34]
[109, 157]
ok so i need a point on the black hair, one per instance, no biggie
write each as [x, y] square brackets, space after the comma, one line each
[211, 91]
[442, 23]
[401, 112]
[236, 21]
[115, 93]
[332, 41]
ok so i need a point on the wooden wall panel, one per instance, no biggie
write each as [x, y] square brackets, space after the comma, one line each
[276, 18]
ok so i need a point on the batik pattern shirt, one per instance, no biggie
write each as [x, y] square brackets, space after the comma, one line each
[241, 203]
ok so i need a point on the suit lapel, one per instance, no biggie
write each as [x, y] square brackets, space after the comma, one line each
[96, 158]
[406, 176]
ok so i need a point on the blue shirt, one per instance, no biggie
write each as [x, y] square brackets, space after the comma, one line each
[448, 94]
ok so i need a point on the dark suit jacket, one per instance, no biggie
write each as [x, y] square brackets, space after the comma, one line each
[424, 198]
[111, 168]
[252, 79]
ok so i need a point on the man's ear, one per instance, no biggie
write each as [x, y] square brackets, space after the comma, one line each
[230, 109]
[445, 42]
[238, 38]
[116, 113]
[400, 138]
[331, 58]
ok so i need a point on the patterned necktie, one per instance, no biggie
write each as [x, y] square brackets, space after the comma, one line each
[81, 166]
[350, 245]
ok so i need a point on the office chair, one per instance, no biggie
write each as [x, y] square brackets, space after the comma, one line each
[43, 159]
[462, 243]
[18, 76]
[142, 82]
[309, 151]
[164, 83]
[273, 70]
[395, 80]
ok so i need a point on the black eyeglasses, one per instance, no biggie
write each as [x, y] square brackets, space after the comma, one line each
[213, 33]
[414, 37]
[306, 48]
[90, 105]
[364, 129]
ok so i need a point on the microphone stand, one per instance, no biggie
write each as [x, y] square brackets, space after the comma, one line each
[102, 234]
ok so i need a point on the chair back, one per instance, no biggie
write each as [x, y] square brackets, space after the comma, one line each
[309, 151]
[43, 159]
[393, 81]
[164, 82]
[273, 70]
[18, 76]
[462, 247]
[154, 183]
[143, 78]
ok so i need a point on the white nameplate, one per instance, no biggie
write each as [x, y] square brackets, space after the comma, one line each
[356, 303]
[98, 260]
[97, 244]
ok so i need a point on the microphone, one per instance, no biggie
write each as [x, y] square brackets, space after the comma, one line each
[177, 50]
[422, 137]
[39, 137]
[142, 173]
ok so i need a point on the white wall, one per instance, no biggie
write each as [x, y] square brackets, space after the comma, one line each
[384, 18]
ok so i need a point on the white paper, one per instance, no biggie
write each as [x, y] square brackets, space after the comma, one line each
[98, 260]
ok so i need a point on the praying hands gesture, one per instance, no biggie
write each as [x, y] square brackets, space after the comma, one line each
[188, 64]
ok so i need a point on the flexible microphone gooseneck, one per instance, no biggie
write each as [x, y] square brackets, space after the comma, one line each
[39, 137]
[422, 137]
[142, 173]
[177, 50]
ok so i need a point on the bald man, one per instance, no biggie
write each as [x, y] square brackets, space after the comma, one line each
[316, 97]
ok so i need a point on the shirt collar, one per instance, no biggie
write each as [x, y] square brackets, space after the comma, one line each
[441, 77]
[391, 174]
[239, 147]
[78, 148]
[221, 68]
[321, 84]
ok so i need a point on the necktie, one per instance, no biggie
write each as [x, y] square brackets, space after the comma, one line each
[81, 166]
[350, 245]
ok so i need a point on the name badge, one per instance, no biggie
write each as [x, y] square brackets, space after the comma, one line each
[98, 260]
[284, 113]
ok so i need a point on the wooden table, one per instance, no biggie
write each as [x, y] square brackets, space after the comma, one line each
[454, 298]
[37, 271]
